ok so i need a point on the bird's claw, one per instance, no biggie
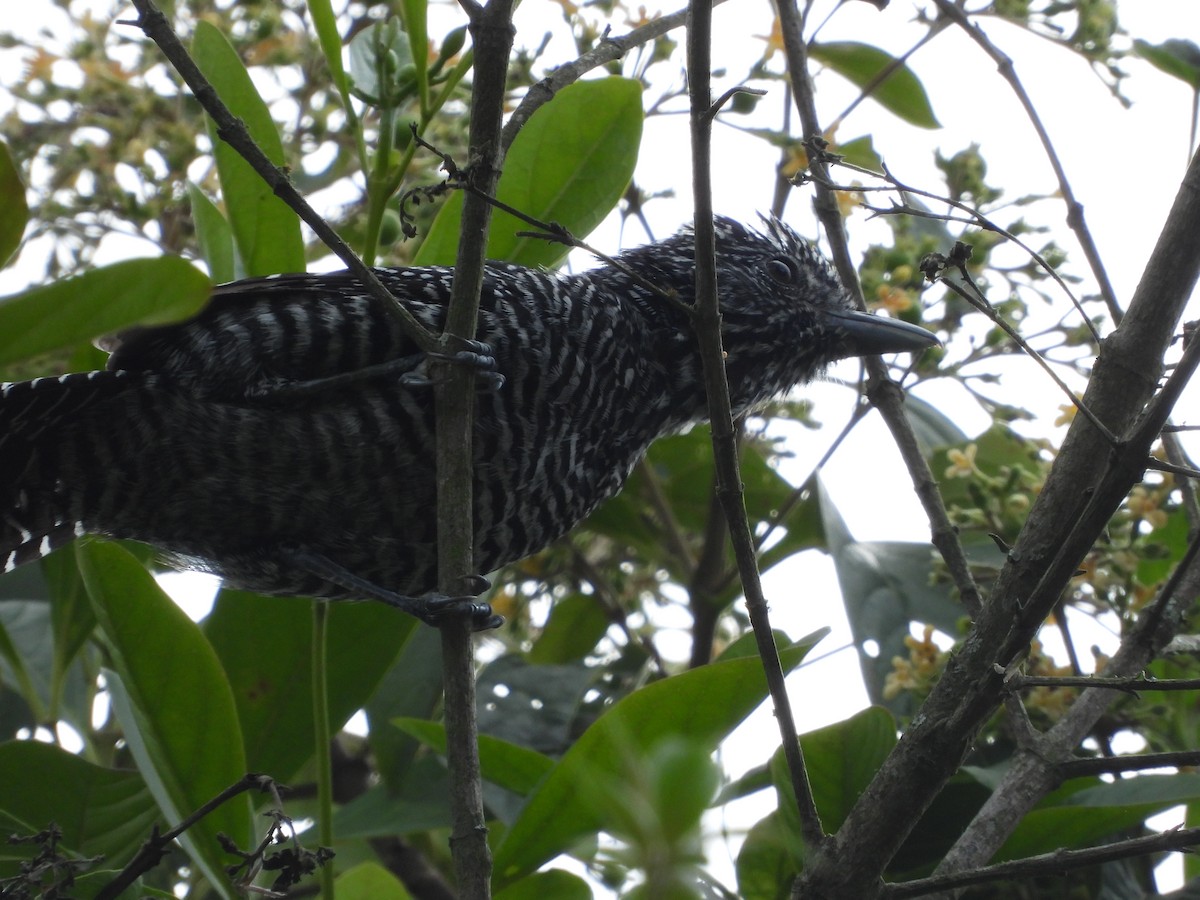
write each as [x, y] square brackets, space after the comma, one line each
[440, 609]
[476, 354]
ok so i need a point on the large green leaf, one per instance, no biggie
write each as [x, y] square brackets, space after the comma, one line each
[570, 164]
[683, 465]
[503, 763]
[265, 648]
[766, 864]
[552, 883]
[214, 235]
[841, 759]
[1175, 56]
[100, 811]
[901, 92]
[370, 881]
[412, 687]
[173, 700]
[704, 704]
[14, 212]
[1082, 815]
[325, 24]
[135, 292]
[266, 231]
[886, 586]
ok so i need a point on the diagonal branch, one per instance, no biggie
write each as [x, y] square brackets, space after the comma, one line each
[233, 131]
[1075, 218]
[707, 323]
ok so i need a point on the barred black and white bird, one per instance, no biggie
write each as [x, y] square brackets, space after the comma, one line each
[222, 441]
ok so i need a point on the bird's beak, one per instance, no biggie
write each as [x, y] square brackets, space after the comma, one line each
[862, 334]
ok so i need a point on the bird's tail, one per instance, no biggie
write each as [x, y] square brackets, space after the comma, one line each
[36, 512]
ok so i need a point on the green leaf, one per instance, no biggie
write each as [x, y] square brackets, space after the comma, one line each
[100, 811]
[704, 704]
[511, 766]
[265, 648]
[370, 881]
[174, 702]
[73, 624]
[570, 164]
[1177, 57]
[767, 863]
[683, 465]
[861, 152]
[416, 24]
[552, 883]
[1084, 816]
[931, 426]
[136, 292]
[214, 235]
[841, 759]
[575, 624]
[412, 687]
[381, 64]
[330, 38]
[266, 231]
[418, 804]
[886, 587]
[14, 212]
[900, 93]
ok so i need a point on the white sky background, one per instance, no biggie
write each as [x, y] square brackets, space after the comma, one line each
[1124, 166]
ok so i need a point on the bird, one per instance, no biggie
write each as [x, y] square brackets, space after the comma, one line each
[283, 437]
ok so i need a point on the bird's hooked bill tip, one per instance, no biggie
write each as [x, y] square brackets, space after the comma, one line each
[863, 334]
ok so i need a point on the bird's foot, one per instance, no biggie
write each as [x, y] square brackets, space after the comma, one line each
[439, 609]
[433, 609]
[475, 354]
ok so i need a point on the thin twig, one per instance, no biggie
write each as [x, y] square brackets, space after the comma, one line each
[454, 397]
[607, 50]
[976, 299]
[1055, 863]
[153, 849]
[973, 217]
[707, 322]
[233, 131]
[1130, 684]
[1115, 765]
[1075, 217]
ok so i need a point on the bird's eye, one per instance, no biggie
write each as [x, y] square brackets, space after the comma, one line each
[782, 270]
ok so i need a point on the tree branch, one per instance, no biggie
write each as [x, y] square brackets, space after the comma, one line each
[491, 36]
[707, 322]
[1046, 864]
[233, 131]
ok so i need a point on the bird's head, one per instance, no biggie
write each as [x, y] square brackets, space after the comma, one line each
[785, 314]
[778, 290]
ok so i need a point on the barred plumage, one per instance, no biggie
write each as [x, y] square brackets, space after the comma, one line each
[210, 440]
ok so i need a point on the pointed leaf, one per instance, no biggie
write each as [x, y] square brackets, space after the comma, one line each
[265, 648]
[214, 235]
[14, 212]
[325, 24]
[136, 292]
[841, 759]
[1177, 57]
[266, 231]
[508, 765]
[705, 704]
[100, 811]
[901, 92]
[552, 883]
[370, 881]
[570, 164]
[173, 702]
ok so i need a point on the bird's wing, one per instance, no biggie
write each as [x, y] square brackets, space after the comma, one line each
[263, 333]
